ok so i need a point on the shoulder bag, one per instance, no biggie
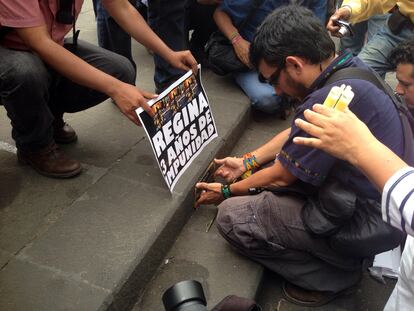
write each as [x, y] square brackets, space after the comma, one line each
[354, 224]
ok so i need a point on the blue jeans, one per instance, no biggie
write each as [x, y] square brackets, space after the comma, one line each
[376, 51]
[110, 35]
[367, 28]
[261, 95]
[318, 7]
[34, 94]
[167, 19]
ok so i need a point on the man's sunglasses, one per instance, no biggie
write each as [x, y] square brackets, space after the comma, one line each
[273, 80]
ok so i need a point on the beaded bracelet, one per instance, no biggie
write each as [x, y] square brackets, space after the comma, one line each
[234, 35]
[250, 165]
[250, 162]
[235, 39]
[225, 191]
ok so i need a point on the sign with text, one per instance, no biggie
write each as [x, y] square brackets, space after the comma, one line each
[182, 126]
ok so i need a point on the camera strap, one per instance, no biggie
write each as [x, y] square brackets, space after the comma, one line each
[4, 31]
[66, 14]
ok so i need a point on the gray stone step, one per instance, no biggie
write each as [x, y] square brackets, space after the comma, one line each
[206, 256]
[93, 242]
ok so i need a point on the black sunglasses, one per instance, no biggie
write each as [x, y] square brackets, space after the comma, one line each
[273, 80]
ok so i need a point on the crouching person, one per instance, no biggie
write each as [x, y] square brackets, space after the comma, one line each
[288, 229]
[42, 76]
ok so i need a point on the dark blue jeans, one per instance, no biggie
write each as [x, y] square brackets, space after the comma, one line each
[363, 31]
[34, 94]
[110, 35]
[318, 7]
[168, 20]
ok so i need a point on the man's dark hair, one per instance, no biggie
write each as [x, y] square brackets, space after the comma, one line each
[291, 31]
[402, 54]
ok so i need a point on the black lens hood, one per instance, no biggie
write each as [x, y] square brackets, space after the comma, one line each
[183, 292]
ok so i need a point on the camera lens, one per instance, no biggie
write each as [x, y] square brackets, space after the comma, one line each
[343, 31]
[185, 296]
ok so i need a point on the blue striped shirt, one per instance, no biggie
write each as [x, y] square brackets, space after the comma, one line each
[398, 200]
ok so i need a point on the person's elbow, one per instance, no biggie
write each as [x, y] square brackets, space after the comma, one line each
[219, 15]
[281, 176]
[282, 182]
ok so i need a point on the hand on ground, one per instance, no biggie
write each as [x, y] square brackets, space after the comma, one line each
[210, 194]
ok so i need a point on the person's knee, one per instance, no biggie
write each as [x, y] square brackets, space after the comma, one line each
[26, 74]
[269, 103]
[238, 224]
[125, 70]
[225, 215]
[235, 212]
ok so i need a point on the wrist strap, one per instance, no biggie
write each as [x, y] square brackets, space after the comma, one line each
[225, 191]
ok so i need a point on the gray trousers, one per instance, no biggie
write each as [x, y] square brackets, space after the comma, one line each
[268, 228]
[34, 94]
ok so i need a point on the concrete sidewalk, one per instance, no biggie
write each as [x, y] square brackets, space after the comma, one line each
[92, 242]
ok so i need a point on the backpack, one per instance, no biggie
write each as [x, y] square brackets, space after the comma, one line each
[353, 224]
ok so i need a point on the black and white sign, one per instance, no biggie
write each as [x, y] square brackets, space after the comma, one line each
[182, 126]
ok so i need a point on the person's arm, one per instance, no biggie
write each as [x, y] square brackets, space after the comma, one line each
[356, 11]
[275, 175]
[240, 45]
[126, 96]
[398, 200]
[232, 167]
[133, 23]
[344, 136]
[268, 151]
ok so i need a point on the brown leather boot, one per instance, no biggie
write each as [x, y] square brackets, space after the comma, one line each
[50, 161]
[63, 133]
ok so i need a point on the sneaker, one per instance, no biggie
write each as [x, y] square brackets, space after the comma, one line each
[50, 162]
